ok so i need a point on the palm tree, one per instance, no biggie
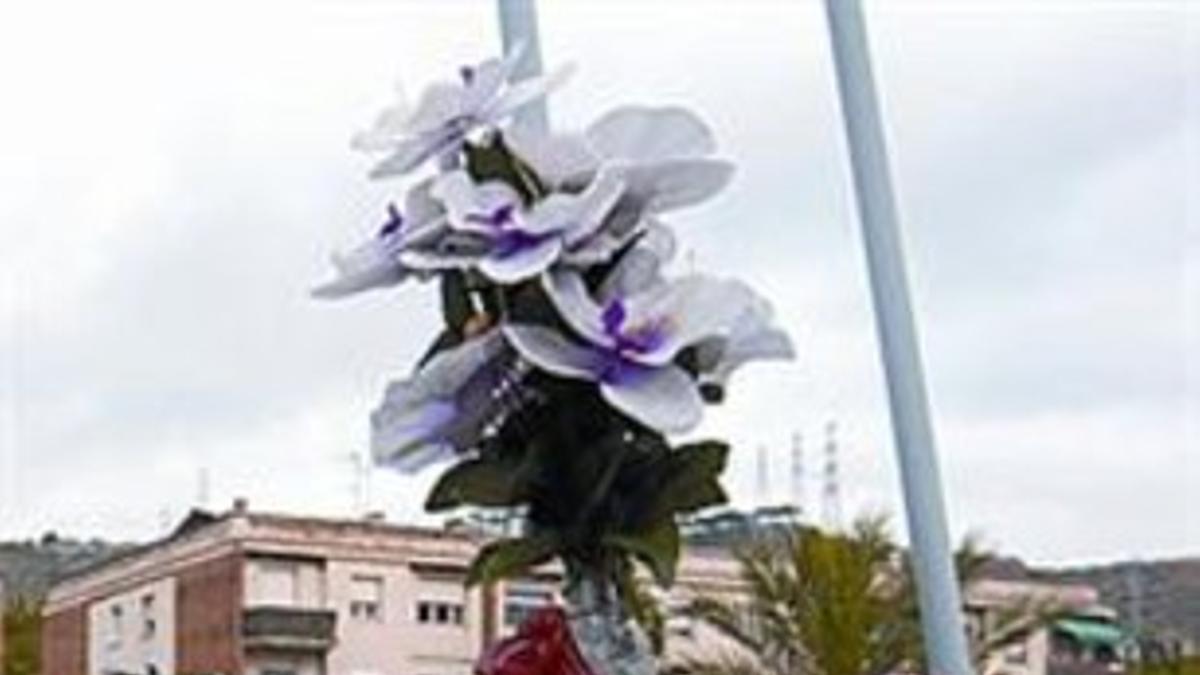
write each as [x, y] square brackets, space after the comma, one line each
[821, 603]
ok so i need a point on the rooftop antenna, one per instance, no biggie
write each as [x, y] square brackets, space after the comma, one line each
[360, 486]
[798, 475]
[831, 490]
[164, 520]
[1134, 586]
[203, 488]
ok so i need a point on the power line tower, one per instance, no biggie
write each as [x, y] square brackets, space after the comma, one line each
[798, 492]
[831, 490]
[763, 482]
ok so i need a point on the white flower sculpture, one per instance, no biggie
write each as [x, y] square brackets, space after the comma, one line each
[569, 354]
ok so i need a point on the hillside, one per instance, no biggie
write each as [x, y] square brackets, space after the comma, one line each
[1162, 596]
[30, 567]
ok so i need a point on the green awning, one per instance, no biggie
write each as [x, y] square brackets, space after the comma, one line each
[1090, 632]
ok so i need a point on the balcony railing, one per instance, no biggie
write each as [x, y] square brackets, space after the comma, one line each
[289, 628]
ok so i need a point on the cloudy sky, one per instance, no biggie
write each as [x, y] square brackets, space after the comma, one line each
[173, 178]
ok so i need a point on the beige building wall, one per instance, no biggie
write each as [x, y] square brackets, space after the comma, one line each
[988, 599]
[134, 631]
[397, 620]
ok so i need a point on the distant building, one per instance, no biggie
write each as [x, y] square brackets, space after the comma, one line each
[1082, 637]
[247, 593]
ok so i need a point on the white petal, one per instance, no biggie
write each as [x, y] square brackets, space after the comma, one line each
[553, 353]
[664, 398]
[466, 200]
[420, 206]
[522, 93]
[556, 159]
[659, 239]
[412, 152]
[674, 184]
[522, 264]
[404, 435]
[769, 344]
[409, 429]
[383, 134]
[640, 271]
[645, 134]
[694, 308]
[450, 369]
[577, 216]
[599, 248]
[719, 358]
[569, 295]
[440, 103]
[432, 261]
[371, 265]
[486, 80]
[594, 204]
[418, 458]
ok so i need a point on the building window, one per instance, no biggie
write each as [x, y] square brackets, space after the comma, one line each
[440, 613]
[678, 623]
[1017, 655]
[521, 601]
[116, 619]
[366, 598]
[278, 583]
[149, 622]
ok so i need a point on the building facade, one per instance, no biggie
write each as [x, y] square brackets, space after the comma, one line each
[248, 593]
[1079, 635]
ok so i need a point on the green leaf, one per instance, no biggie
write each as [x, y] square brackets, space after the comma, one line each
[658, 547]
[685, 481]
[511, 557]
[495, 162]
[481, 482]
[447, 339]
[456, 301]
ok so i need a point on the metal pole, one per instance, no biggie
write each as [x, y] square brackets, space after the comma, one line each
[519, 28]
[933, 564]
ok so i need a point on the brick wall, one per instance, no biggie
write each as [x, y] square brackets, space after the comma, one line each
[208, 617]
[64, 642]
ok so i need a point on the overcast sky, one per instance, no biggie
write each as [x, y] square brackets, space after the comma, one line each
[172, 180]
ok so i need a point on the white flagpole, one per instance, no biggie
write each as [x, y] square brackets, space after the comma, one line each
[519, 28]
[933, 563]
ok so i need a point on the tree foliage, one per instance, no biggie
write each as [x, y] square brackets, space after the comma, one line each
[22, 638]
[821, 603]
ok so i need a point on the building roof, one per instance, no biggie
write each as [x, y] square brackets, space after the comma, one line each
[1091, 632]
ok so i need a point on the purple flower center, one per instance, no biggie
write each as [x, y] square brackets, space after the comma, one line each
[639, 339]
[467, 73]
[509, 242]
[394, 222]
[498, 218]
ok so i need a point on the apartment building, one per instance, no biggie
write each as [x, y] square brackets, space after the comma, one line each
[247, 593]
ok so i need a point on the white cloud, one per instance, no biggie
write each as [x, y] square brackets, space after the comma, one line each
[174, 179]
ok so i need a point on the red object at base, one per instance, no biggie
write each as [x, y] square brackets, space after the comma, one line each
[543, 645]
